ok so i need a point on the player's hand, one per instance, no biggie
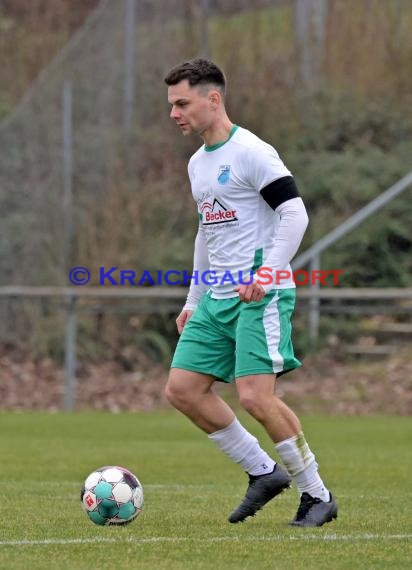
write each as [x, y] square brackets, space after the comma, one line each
[251, 292]
[182, 319]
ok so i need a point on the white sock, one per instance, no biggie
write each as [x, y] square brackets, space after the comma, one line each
[301, 465]
[243, 448]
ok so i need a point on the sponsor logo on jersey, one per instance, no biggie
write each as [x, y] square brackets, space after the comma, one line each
[216, 213]
[223, 174]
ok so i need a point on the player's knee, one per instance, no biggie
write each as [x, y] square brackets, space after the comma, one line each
[173, 393]
[177, 394]
[252, 404]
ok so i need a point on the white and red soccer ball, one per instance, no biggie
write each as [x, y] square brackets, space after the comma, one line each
[112, 495]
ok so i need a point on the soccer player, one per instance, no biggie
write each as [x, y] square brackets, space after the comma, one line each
[239, 327]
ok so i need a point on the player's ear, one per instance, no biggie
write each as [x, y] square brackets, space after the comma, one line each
[215, 98]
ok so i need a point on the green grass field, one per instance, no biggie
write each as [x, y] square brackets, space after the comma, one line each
[189, 490]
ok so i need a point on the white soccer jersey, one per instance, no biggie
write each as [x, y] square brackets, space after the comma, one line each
[238, 226]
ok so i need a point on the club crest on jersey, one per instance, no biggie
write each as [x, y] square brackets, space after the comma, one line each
[223, 174]
[216, 213]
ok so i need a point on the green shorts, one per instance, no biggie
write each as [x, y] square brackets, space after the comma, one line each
[228, 338]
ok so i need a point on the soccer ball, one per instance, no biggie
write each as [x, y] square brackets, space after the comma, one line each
[112, 496]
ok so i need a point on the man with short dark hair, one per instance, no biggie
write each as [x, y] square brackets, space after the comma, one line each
[250, 217]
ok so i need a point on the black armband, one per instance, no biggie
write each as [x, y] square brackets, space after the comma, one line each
[280, 191]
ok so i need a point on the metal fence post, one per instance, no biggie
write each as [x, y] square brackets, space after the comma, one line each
[204, 28]
[67, 168]
[70, 355]
[314, 303]
[310, 18]
[129, 63]
[70, 335]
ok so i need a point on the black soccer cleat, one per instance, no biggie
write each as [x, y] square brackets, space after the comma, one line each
[261, 489]
[313, 511]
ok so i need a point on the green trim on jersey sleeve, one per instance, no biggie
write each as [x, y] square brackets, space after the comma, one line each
[218, 145]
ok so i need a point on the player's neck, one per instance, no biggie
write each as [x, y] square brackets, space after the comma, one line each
[218, 133]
